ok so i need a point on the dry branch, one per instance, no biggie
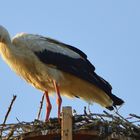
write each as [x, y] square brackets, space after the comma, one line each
[9, 109]
[135, 116]
[41, 105]
[6, 116]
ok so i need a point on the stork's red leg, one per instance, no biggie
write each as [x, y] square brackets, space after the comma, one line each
[59, 99]
[48, 106]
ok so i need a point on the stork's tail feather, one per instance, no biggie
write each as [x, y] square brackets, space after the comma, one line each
[107, 88]
[116, 102]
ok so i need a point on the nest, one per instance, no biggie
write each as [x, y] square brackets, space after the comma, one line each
[103, 125]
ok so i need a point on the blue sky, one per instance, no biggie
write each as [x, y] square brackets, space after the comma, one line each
[108, 31]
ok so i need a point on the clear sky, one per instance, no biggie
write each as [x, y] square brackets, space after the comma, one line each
[108, 31]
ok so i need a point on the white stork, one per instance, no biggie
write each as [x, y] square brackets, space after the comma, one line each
[52, 66]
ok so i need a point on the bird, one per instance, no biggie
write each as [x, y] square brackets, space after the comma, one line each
[55, 67]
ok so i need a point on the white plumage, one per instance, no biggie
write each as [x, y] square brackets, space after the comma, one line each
[50, 66]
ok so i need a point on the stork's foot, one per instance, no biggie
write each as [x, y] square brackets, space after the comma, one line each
[59, 103]
[48, 106]
[59, 99]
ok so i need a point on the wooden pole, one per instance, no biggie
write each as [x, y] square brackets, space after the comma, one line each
[66, 125]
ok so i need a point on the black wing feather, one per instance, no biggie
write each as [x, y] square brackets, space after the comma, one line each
[78, 67]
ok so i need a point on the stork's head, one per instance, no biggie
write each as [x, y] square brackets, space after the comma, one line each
[4, 35]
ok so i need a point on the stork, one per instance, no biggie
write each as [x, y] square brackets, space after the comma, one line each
[52, 66]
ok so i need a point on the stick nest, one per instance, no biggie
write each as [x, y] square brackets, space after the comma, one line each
[104, 124]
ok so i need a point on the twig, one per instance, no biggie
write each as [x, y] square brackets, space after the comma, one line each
[135, 116]
[41, 104]
[6, 116]
[9, 109]
[17, 119]
[131, 125]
